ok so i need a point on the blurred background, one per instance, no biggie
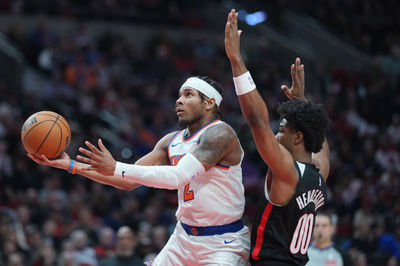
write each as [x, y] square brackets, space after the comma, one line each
[113, 68]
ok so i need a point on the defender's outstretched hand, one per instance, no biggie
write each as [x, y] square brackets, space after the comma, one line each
[61, 162]
[296, 92]
[232, 44]
[232, 36]
[100, 160]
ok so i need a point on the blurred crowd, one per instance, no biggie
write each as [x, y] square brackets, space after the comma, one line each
[176, 13]
[107, 87]
[369, 25]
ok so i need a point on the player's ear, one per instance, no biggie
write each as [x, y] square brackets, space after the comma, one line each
[210, 103]
[299, 137]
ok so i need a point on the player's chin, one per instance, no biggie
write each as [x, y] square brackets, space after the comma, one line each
[182, 123]
[182, 120]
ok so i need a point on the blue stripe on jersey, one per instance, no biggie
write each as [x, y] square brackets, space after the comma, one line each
[189, 137]
[172, 139]
[226, 167]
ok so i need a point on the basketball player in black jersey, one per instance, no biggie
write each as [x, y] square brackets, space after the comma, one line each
[297, 158]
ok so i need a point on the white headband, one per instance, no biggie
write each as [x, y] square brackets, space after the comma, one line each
[203, 87]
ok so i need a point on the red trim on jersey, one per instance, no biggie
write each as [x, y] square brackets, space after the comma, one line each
[260, 231]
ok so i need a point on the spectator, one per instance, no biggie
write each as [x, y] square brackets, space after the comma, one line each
[386, 245]
[125, 250]
[66, 257]
[393, 129]
[15, 259]
[46, 255]
[105, 248]
[83, 254]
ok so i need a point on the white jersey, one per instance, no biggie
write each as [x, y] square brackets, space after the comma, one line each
[214, 198]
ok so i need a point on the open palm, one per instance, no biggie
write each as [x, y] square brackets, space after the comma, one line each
[296, 92]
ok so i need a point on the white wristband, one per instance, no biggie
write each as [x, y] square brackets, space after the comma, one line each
[244, 83]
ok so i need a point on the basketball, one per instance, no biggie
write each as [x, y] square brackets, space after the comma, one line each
[46, 133]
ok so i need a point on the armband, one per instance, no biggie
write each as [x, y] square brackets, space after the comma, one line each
[72, 167]
[244, 84]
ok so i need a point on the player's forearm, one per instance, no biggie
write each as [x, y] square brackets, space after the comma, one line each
[107, 180]
[169, 177]
[254, 109]
[111, 181]
[253, 106]
[255, 112]
[238, 66]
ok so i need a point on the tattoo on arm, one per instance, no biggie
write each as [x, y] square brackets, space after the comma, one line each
[214, 144]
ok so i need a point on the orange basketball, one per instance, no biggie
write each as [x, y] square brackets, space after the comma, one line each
[46, 133]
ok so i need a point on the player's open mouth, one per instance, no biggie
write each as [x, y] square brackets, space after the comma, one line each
[179, 111]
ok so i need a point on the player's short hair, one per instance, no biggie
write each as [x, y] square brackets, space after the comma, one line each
[309, 118]
[216, 86]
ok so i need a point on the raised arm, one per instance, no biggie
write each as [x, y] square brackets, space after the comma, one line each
[255, 110]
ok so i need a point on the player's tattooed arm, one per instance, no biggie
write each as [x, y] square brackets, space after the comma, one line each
[215, 143]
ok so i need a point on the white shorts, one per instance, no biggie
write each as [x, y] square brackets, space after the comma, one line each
[189, 250]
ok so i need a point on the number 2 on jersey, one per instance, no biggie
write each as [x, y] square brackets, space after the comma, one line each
[188, 194]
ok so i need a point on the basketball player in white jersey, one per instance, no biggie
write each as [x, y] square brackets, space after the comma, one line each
[203, 162]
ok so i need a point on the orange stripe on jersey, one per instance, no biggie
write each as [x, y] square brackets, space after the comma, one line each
[190, 137]
[260, 232]
[220, 166]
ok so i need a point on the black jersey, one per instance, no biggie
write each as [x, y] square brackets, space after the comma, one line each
[281, 234]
